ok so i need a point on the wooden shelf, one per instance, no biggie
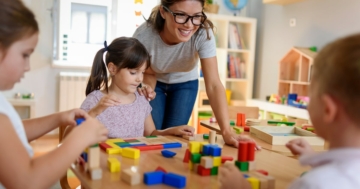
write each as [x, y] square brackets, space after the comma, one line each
[281, 2]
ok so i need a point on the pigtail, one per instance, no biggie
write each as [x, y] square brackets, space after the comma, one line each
[98, 77]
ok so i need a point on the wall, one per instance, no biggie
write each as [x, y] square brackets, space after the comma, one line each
[318, 22]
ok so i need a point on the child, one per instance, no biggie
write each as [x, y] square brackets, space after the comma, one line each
[18, 169]
[119, 106]
[334, 112]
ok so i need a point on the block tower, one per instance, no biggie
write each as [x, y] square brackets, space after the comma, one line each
[246, 156]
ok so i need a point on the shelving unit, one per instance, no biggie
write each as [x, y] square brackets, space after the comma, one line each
[295, 71]
[243, 31]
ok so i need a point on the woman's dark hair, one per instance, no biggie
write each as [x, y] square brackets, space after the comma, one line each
[158, 22]
[123, 52]
[16, 22]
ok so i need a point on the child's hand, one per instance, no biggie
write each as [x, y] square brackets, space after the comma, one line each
[230, 177]
[299, 146]
[182, 130]
[91, 131]
[69, 117]
[105, 102]
[233, 139]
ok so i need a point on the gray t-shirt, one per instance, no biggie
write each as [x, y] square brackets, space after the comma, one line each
[176, 63]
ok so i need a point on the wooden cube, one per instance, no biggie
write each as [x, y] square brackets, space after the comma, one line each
[130, 177]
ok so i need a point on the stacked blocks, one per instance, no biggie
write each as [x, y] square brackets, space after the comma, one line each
[204, 158]
[246, 156]
[159, 177]
[93, 162]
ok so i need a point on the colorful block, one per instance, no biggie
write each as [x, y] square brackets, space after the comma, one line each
[254, 182]
[174, 180]
[202, 144]
[194, 147]
[251, 151]
[203, 171]
[172, 145]
[226, 158]
[216, 161]
[149, 147]
[206, 150]
[160, 169]
[131, 153]
[104, 146]
[215, 151]
[243, 166]
[195, 157]
[130, 177]
[113, 150]
[206, 162]
[114, 140]
[114, 165]
[131, 140]
[205, 136]
[242, 151]
[151, 137]
[214, 171]
[262, 172]
[186, 156]
[84, 156]
[152, 178]
[168, 154]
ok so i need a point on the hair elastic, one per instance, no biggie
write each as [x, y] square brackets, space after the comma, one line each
[106, 46]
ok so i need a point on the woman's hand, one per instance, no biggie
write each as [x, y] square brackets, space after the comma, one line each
[182, 130]
[299, 146]
[233, 139]
[147, 91]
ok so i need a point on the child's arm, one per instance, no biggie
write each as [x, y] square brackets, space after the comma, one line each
[37, 127]
[178, 130]
[18, 170]
[299, 146]
[231, 178]
[105, 102]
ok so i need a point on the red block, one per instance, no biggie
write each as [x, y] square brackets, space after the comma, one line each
[149, 147]
[246, 128]
[243, 118]
[186, 156]
[239, 121]
[226, 158]
[263, 172]
[242, 151]
[103, 146]
[251, 151]
[160, 169]
[203, 172]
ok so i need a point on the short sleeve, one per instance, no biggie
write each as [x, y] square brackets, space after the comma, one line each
[90, 102]
[206, 47]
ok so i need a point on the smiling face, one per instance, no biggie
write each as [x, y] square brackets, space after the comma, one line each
[174, 33]
[126, 80]
[14, 62]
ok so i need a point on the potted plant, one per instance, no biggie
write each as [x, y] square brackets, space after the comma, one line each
[211, 7]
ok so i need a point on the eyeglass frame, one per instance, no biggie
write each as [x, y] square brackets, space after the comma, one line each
[188, 17]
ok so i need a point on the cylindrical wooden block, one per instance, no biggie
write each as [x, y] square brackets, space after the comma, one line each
[242, 151]
[251, 151]
[239, 119]
[212, 137]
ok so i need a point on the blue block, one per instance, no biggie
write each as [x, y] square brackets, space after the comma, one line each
[168, 154]
[172, 145]
[174, 180]
[142, 144]
[79, 121]
[215, 151]
[84, 156]
[246, 176]
[124, 145]
[206, 150]
[152, 178]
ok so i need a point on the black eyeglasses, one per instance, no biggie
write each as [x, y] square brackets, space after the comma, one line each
[180, 18]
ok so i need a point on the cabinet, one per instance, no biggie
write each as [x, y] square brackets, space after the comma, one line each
[281, 2]
[235, 41]
[295, 71]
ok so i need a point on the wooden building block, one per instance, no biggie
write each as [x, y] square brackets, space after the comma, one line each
[104, 146]
[186, 156]
[131, 153]
[189, 138]
[195, 157]
[226, 158]
[242, 151]
[202, 144]
[94, 157]
[216, 161]
[130, 177]
[254, 182]
[194, 147]
[270, 179]
[195, 167]
[113, 151]
[252, 165]
[191, 165]
[95, 173]
[206, 162]
[251, 151]
[263, 181]
[203, 171]
[113, 140]
[149, 147]
[114, 165]
[212, 137]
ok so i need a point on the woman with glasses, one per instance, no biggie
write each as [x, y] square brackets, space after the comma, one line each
[177, 34]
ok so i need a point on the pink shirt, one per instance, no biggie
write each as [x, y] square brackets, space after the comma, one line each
[122, 121]
[335, 169]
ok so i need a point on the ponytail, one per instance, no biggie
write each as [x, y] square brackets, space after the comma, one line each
[98, 77]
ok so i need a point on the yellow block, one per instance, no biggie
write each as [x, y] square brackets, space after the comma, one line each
[115, 140]
[131, 153]
[194, 147]
[113, 150]
[254, 182]
[217, 161]
[191, 165]
[202, 144]
[114, 165]
[112, 145]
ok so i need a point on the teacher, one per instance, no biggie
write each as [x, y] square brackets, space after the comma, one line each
[177, 34]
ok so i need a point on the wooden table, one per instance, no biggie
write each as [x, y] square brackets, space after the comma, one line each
[283, 168]
[275, 148]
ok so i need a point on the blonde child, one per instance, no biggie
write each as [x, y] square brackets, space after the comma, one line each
[118, 105]
[334, 112]
[18, 169]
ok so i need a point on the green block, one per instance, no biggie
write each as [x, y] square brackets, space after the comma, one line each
[313, 48]
[131, 141]
[206, 136]
[214, 171]
[151, 137]
[95, 145]
[243, 166]
[232, 123]
[195, 158]
[121, 143]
